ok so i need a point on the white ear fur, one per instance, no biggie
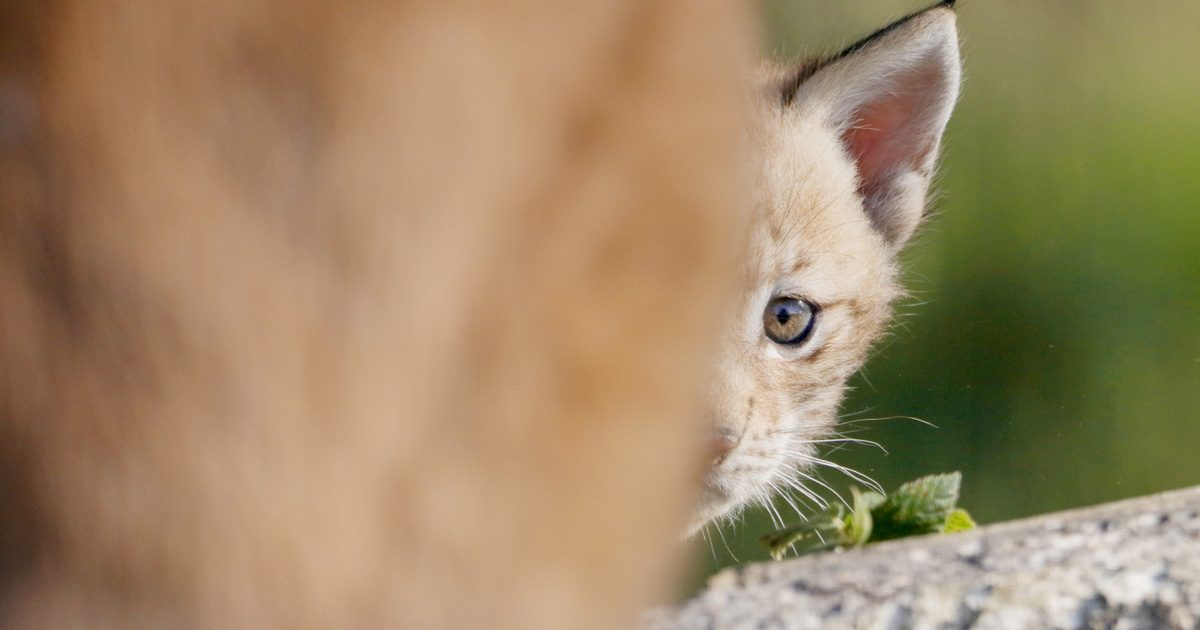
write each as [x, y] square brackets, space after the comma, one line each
[890, 97]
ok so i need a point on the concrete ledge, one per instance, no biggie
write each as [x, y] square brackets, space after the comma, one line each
[1130, 564]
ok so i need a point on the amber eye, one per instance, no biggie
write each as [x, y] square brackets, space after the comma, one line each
[789, 320]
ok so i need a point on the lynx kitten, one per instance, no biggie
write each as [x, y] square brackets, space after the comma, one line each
[846, 147]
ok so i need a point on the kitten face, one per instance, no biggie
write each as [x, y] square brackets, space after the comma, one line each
[845, 149]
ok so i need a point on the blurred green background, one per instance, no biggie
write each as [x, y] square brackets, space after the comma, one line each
[1053, 337]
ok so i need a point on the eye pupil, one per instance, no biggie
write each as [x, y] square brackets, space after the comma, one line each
[789, 320]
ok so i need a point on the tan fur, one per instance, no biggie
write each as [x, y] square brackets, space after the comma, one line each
[361, 315]
[816, 236]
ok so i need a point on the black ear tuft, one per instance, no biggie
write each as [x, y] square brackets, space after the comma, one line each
[810, 67]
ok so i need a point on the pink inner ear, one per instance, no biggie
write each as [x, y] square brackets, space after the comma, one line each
[889, 135]
[873, 143]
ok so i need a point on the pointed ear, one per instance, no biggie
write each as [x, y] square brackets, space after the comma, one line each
[889, 97]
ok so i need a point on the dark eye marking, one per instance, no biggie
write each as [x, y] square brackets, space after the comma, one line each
[789, 320]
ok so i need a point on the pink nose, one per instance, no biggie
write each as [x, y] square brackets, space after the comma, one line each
[720, 445]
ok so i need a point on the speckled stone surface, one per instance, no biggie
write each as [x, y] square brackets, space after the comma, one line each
[1131, 564]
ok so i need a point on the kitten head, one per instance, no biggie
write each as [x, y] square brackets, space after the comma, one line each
[845, 150]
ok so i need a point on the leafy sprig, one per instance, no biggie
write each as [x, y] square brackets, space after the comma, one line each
[921, 506]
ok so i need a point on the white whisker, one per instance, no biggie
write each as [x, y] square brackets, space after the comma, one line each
[817, 499]
[846, 440]
[708, 539]
[845, 470]
[787, 498]
[820, 482]
[765, 501]
[721, 533]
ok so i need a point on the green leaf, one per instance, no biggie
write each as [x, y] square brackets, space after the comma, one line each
[958, 521]
[918, 507]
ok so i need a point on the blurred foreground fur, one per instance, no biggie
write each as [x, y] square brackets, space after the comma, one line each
[375, 316]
